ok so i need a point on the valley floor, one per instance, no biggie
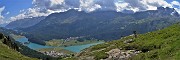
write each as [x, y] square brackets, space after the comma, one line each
[65, 43]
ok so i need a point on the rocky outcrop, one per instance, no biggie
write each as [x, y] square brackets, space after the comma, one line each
[119, 54]
[128, 41]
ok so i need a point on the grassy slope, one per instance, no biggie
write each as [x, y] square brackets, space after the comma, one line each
[159, 45]
[7, 53]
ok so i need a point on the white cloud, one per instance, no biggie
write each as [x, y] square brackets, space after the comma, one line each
[56, 2]
[141, 5]
[1, 17]
[152, 4]
[121, 6]
[46, 7]
[31, 12]
[7, 13]
[175, 3]
[42, 8]
[1, 9]
[88, 5]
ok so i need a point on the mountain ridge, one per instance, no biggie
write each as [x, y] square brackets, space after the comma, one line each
[103, 25]
[24, 23]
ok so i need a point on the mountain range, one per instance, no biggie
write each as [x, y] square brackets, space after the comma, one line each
[102, 25]
[131, 33]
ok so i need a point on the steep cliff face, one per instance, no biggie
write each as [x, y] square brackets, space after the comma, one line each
[9, 50]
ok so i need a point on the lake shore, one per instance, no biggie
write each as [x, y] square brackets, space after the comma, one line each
[74, 48]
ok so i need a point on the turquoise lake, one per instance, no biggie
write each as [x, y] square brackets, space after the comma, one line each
[76, 48]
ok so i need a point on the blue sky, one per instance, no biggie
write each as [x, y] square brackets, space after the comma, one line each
[13, 7]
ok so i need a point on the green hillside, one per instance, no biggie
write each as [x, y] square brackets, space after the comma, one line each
[158, 45]
[7, 53]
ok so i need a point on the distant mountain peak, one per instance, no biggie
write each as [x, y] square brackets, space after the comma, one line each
[165, 9]
[24, 23]
[168, 10]
[160, 8]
